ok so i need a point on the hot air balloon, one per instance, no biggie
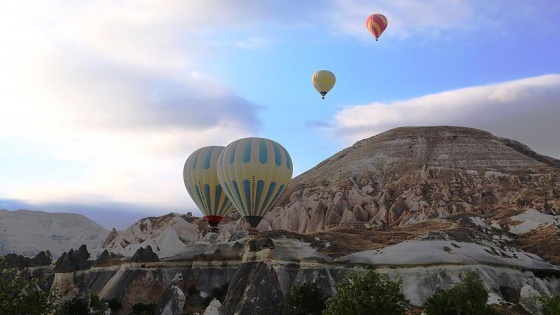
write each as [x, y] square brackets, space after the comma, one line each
[376, 24]
[254, 172]
[201, 181]
[323, 81]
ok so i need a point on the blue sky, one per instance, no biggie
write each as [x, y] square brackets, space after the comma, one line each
[103, 101]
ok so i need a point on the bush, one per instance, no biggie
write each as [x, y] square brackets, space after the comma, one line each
[551, 304]
[19, 295]
[305, 299]
[367, 293]
[115, 305]
[466, 298]
[144, 309]
[75, 306]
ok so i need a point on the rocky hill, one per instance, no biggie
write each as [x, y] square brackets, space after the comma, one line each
[408, 175]
[28, 232]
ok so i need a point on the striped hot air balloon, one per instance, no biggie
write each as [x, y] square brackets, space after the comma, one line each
[376, 24]
[202, 183]
[254, 172]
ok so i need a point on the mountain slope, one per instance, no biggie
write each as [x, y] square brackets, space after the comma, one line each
[28, 232]
[411, 174]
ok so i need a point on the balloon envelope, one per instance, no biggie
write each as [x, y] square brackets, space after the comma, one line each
[203, 185]
[376, 24]
[323, 81]
[254, 172]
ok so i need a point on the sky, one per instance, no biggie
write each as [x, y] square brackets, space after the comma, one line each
[101, 102]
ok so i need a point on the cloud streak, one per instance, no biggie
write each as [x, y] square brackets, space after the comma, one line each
[110, 91]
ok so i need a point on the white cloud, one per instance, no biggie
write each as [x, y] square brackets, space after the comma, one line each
[108, 88]
[525, 110]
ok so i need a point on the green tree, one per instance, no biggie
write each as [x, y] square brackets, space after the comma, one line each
[466, 298]
[75, 306]
[144, 309]
[21, 294]
[305, 299]
[367, 293]
[551, 304]
[115, 305]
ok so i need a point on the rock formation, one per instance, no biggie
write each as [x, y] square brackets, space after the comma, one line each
[103, 258]
[145, 255]
[408, 175]
[73, 260]
[247, 294]
[41, 259]
[173, 300]
[214, 308]
[112, 235]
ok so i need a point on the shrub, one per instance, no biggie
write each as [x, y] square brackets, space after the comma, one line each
[551, 304]
[75, 306]
[144, 309]
[115, 305]
[367, 293]
[19, 295]
[305, 299]
[466, 298]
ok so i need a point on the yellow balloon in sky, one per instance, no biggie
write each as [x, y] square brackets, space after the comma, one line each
[323, 81]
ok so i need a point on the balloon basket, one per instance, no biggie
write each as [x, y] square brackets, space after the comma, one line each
[213, 229]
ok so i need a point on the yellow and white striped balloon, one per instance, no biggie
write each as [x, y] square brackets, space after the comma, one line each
[254, 172]
[202, 183]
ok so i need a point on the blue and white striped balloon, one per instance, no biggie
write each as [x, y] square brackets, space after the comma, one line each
[254, 172]
[202, 183]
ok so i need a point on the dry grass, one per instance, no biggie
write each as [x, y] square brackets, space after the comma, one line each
[345, 240]
[544, 243]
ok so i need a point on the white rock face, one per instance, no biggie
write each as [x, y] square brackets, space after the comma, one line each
[532, 220]
[161, 233]
[213, 308]
[528, 299]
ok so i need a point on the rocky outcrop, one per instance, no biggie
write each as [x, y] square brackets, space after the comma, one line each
[41, 259]
[144, 255]
[73, 261]
[214, 308]
[254, 289]
[112, 235]
[253, 275]
[103, 258]
[168, 231]
[173, 299]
